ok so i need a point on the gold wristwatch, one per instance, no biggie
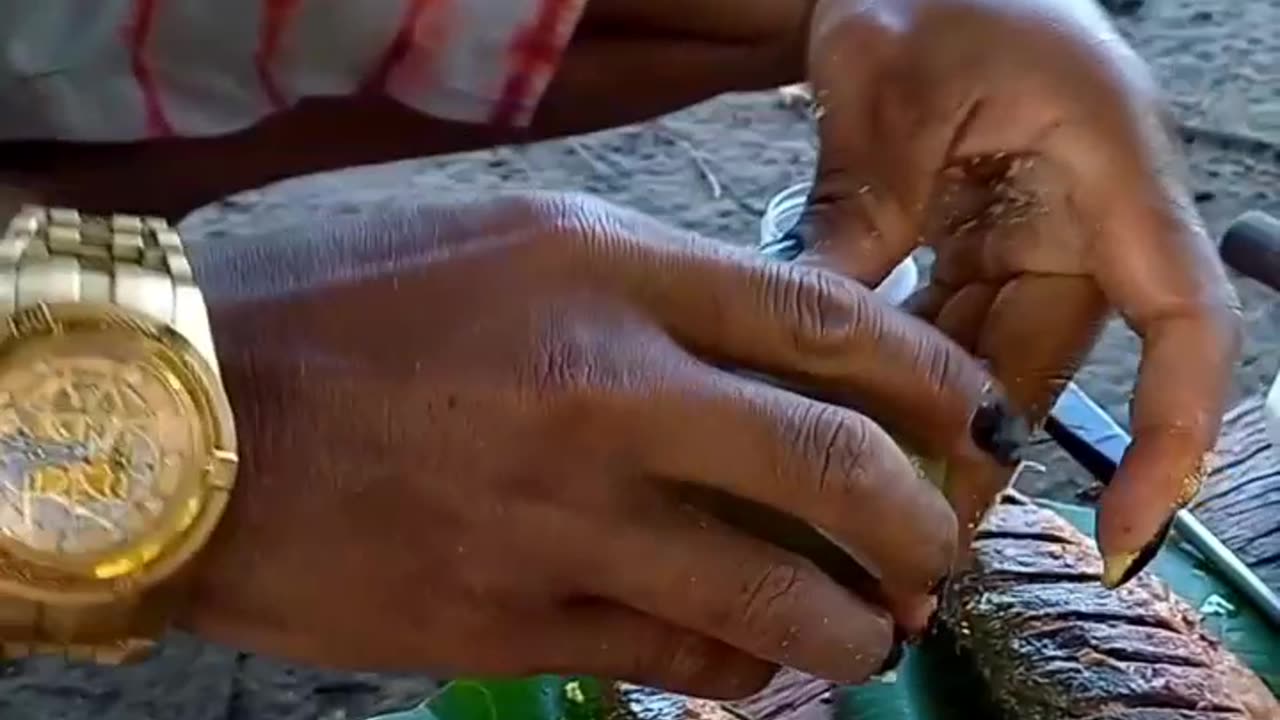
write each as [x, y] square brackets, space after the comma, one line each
[117, 443]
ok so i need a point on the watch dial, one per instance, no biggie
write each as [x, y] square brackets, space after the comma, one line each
[92, 450]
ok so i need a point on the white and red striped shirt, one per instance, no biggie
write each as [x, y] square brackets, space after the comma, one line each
[114, 70]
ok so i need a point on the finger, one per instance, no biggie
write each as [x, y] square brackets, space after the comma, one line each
[927, 301]
[879, 155]
[612, 641]
[970, 486]
[963, 315]
[911, 610]
[819, 463]
[705, 576]
[1157, 265]
[1178, 404]
[1034, 365]
[1151, 257]
[818, 330]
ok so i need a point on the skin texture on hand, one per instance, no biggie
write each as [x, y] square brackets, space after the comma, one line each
[1024, 141]
[469, 436]
[547, 349]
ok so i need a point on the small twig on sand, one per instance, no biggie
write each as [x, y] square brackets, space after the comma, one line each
[1228, 138]
[707, 174]
[599, 167]
[698, 157]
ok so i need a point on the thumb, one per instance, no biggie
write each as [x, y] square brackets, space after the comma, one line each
[873, 191]
[884, 139]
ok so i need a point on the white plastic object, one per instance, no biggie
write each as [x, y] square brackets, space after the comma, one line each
[781, 214]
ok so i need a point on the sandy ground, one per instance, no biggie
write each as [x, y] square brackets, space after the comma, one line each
[711, 168]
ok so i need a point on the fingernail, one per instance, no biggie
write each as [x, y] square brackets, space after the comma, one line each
[894, 659]
[999, 432]
[1115, 568]
[1121, 568]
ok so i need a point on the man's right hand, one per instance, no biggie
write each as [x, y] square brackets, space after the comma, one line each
[465, 431]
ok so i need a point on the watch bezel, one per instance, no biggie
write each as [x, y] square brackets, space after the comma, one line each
[158, 556]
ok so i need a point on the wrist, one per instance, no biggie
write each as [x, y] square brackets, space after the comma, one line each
[98, 309]
[215, 570]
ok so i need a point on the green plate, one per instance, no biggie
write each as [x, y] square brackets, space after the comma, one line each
[932, 683]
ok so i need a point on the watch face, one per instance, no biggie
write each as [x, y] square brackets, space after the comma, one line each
[100, 450]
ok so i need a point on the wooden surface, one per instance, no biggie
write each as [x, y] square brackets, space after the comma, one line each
[1240, 503]
[1241, 500]
[792, 696]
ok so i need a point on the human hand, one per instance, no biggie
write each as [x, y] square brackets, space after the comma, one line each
[467, 434]
[1024, 141]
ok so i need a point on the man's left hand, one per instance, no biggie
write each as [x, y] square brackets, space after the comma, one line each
[1025, 142]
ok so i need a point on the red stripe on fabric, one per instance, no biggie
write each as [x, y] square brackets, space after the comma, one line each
[276, 16]
[400, 47]
[136, 35]
[534, 50]
[416, 68]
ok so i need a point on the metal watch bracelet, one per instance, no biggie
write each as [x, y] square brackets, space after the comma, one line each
[50, 255]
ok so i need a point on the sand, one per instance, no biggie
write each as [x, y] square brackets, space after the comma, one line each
[710, 168]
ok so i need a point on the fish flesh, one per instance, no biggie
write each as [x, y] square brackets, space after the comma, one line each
[1053, 643]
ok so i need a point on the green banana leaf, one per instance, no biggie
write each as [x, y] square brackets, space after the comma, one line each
[932, 683]
[545, 697]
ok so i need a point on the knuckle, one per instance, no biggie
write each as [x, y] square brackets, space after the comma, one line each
[824, 311]
[952, 379]
[563, 385]
[766, 603]
[587, 374]
[558, 370]
[573, 353]
[558, 213]
[835, 447]
[943, 369]
[577, 222]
